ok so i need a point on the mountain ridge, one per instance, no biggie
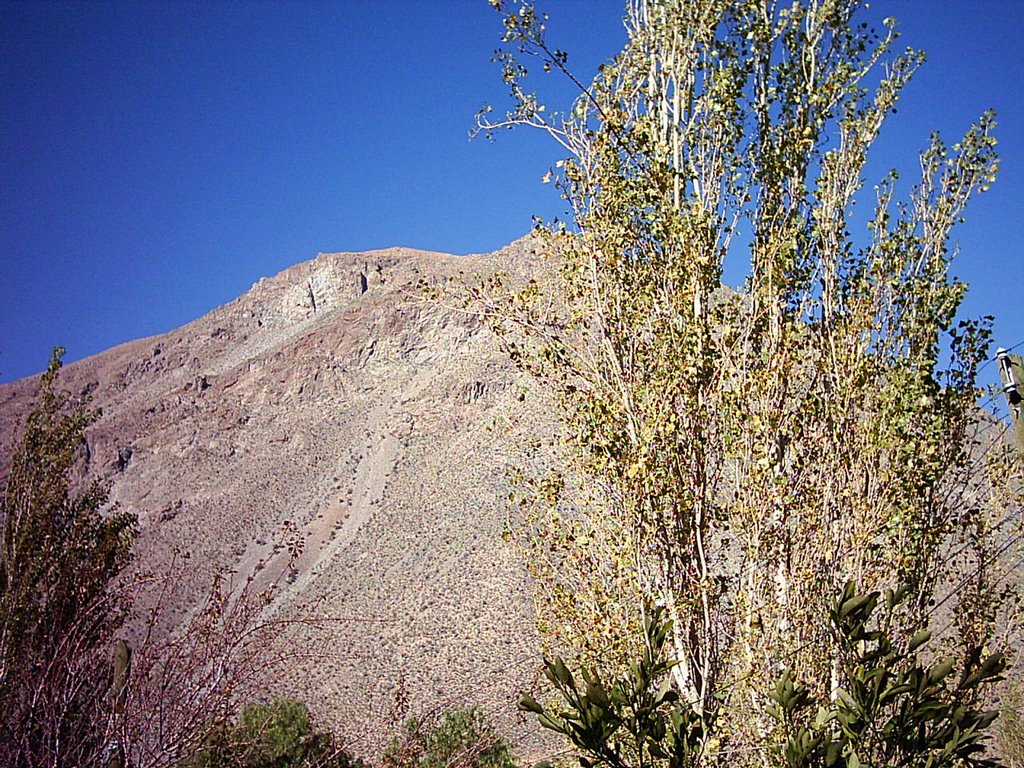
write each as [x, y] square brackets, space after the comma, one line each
[332, 407]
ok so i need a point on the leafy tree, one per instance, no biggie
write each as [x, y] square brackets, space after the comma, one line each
[60, 553]
[888, 707]
[742, 456]
[65, 594]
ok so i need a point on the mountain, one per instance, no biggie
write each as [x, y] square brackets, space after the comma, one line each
[333, 410]
[337, 433]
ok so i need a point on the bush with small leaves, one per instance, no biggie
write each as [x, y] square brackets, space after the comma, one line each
[275, 735]
[889, 707]
[462, 739]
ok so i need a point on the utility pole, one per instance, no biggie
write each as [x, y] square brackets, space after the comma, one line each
[1011, 369]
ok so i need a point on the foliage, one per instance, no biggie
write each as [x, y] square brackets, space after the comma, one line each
[639, 720]
[887, 707]
[1010, 725]
[745, 455]
[66, 594]
[60, 553]
[275, 735]
[891, 708]
[462, 739]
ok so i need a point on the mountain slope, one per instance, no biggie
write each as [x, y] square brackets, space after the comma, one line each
[332, 409]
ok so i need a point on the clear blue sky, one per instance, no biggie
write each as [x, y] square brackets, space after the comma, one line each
[156, 159]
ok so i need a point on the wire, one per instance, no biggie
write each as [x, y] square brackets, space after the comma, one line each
[967, 579]
[956, 590]
[991, 360]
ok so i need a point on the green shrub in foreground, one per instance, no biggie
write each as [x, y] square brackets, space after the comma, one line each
[892, 707]
[462, 739]
[275, 735]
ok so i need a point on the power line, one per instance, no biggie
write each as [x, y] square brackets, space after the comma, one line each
[1010, 349]
[990, 360]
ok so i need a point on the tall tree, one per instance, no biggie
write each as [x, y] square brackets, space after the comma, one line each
[60, 552]
[65, 595]
[747, 454]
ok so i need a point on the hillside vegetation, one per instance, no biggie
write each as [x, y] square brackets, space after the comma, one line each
[360, 511]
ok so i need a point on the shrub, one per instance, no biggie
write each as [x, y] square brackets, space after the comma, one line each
[888, 707]
[462, 739]
[275, 735]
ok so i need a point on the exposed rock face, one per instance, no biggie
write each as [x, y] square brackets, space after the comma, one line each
[333, 405]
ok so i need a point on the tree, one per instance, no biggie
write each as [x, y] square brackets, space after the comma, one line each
[60, 553]
[888, 709]
[66, 594]
[745, 455]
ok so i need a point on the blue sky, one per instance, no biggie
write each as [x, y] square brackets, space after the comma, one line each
[156, 159]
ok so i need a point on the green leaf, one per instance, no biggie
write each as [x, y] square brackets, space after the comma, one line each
[994, 665]
[527, 703]
[824, 716]
[597, 694]
[919, 639]
[940, 671]
[656, 750]
[551, 723]
[562, 674]
[852, 605]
